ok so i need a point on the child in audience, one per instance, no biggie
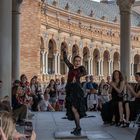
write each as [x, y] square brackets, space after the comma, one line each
[44, 105]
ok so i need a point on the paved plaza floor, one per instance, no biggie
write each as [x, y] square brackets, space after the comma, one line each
[53, 125]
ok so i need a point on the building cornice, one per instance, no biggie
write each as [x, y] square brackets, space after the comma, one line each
[90, 28]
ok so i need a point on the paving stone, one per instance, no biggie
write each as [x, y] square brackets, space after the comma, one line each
[47, 123]
[98, 135]
[68, 135]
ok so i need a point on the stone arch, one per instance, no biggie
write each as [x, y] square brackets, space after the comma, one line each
[136, 63]
[96, 57]
[106, 57]
[116, 59]
[86, 54]
[51, 58]
[63, 68]
[75, 50]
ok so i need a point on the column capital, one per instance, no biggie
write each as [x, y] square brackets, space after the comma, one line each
[56, 54]
[16, 6]
[42, 52]
[69, 55]
[59, 54]
[100, 59]
[125, 5]
[110, 60]
[91, 58]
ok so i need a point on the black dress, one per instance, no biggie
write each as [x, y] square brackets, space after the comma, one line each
[114, 105]
[137, 100]
[74, 91]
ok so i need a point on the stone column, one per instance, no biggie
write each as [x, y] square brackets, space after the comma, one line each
[119, 65]
[55, 63]
[58, 64]
[111, 67]
[101, 68]
[5, 46]
[43, 62]
[15, 39]
[132, 69]
[125, 26]
[70, 58]
[91, 64]
[109, 62]
[46, 66]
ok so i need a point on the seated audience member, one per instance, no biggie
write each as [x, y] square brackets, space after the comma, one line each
[25, 97]
[7, 125]
[51, 89]
[61, 94]
[5, 104]
[92, 98]
[136, 93]
[19, 109]
[44, 105]
[105, 94]
[105, 104]
[5, 107]
[36, 92]
[84, 86]
[8, 128]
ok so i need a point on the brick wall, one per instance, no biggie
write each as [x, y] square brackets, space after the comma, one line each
[29, 38]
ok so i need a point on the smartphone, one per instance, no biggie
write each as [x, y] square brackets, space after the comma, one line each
[28, 128]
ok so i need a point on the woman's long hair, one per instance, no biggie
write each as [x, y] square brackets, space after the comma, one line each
[51, 83]
[120, 76]
[8, 124]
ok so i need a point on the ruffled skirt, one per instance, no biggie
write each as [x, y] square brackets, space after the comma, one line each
[75, 97]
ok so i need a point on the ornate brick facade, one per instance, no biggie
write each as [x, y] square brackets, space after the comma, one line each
[46, 28]
[30, 38]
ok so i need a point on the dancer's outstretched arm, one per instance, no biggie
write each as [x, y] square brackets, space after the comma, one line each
[67, 62]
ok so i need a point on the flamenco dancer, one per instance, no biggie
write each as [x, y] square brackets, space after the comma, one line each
[75, 106]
